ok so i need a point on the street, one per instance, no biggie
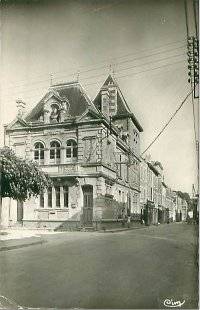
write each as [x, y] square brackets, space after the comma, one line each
[135, 269]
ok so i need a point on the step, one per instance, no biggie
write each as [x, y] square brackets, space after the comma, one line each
[87, 228]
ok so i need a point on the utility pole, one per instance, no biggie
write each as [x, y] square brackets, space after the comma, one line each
[0, 187]
[191, 17]
[193, 64]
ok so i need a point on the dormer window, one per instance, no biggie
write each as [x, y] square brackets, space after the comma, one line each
[55, 113]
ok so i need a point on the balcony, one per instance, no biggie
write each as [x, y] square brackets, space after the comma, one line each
[60, 169]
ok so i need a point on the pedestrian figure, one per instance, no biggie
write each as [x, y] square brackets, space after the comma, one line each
[128, 221]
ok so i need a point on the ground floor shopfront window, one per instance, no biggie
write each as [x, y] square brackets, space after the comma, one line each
[55, 197]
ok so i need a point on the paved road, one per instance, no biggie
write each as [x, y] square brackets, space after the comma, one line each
[137, 269]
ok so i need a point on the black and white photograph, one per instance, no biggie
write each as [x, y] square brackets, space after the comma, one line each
[99, 154]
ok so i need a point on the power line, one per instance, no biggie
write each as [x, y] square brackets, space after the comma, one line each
[154, 54]
[194, 120]
[130, 54]
[122, 76]
[102, 81]
[93, 69]
[130, 60]
[196, 136]
[136, 73]
[139, 65]
[127, 68]
[127, 75]
[171, 118]
[98, 82]
[150, 62]
[186, 16]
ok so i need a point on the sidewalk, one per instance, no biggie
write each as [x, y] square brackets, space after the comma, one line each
[19, 243]
[115, 230]
[18, 238]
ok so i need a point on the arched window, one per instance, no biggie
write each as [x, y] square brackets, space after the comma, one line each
[54, 150]
[39, 151]
[71, 149]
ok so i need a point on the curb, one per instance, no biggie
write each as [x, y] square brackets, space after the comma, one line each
[120, 230]
[23, 245]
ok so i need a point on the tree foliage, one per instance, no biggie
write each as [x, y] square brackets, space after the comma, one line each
[20, 178]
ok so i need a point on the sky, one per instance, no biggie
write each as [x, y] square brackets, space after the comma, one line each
[142, 42]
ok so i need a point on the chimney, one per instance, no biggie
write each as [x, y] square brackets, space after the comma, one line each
[105, 101]
[21, 105]
[112, 88]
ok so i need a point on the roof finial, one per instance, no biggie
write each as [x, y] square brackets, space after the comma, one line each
[51, 79]
[21, 105]
[111, 69]
[78, 76]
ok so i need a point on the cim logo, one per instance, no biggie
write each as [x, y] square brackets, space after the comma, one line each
[170, 303]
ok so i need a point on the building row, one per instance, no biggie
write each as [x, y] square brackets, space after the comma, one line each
[158, 202]
[91, 151]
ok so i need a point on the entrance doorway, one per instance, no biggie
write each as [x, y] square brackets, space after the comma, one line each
[87, 205]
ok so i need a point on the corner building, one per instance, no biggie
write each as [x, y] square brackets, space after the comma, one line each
[90, 149]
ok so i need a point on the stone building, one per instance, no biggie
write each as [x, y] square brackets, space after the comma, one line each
[170, 204]
[90, 149]
[156, 199]
[149, 190]
[181, 207]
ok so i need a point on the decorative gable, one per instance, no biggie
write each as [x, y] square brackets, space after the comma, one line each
[108, 98]
[55, 109]
[63, 101]
[17, 123]
[110, 101]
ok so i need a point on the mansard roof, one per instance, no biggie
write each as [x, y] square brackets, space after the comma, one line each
[72, 92]
[123, 109]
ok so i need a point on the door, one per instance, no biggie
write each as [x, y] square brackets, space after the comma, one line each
[87, 205]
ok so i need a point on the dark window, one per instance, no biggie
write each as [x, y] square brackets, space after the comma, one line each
[41, 200]
[66, 196]
[120, 166]
[127, 173]
[57, 189]
[151, 194]
[54, 150]
[50, 197]
[36, 155]
[38, 151]
[71, 149]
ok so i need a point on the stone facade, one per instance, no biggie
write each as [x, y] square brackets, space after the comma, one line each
[181, 207]
[156, 198]
[93, 160]
[149, 191]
